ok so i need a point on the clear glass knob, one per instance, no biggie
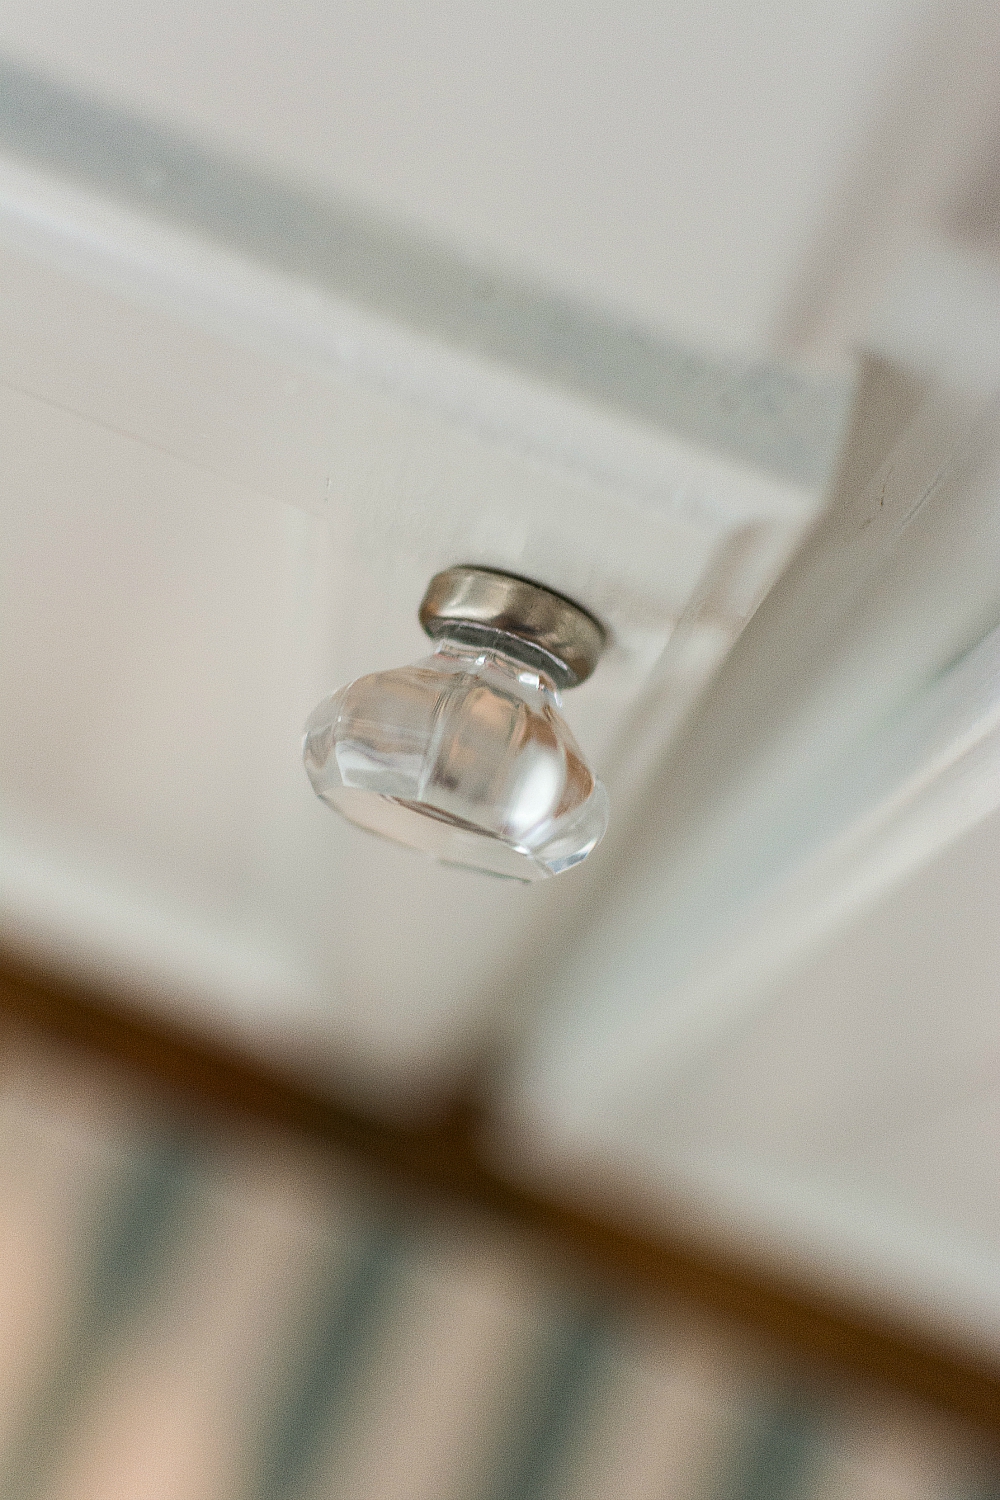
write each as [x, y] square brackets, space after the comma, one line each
[464, 756]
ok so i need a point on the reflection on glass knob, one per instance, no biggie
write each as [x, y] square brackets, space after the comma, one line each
[464, 755]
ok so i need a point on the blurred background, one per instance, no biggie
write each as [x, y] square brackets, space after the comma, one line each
[194, 1308]
[330, 1170]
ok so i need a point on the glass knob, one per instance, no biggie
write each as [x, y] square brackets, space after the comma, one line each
[464, 755]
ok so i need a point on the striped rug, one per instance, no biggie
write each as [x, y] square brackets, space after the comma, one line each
[189, 1315]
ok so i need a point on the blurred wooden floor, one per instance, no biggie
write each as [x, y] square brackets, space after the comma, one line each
[441, 1165]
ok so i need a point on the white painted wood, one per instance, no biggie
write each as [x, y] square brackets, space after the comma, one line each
[802, 784]
[792, 1043]
[906, 252]
[845, 1130]
[225, 487]
[670, 162]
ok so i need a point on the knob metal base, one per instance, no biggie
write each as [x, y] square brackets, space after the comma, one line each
[512, 614]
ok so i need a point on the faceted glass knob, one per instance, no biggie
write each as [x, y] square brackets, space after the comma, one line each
[463, 755]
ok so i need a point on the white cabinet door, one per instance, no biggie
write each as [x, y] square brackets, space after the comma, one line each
[242, 429]
[781, 1027]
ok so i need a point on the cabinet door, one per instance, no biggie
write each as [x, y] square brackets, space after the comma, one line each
[791, 1040]
[243, 427]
